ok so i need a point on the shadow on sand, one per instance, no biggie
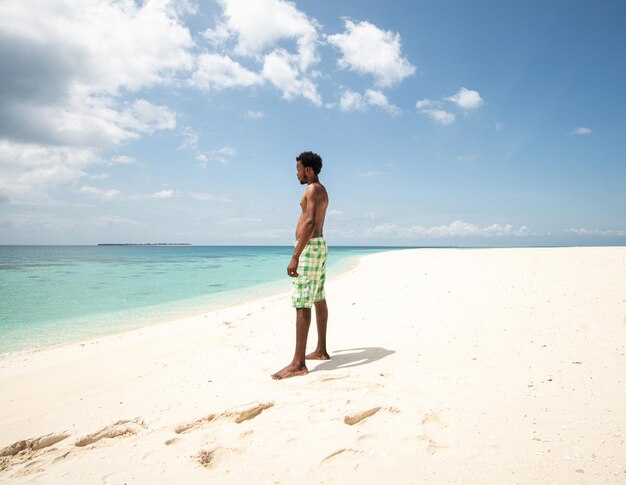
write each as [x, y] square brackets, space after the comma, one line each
[343, 359]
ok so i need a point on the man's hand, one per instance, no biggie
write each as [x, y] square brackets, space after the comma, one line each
[292, 269]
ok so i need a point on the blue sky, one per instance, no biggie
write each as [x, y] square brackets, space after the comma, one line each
[440, 122]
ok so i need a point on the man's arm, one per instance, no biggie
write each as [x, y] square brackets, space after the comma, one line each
[306, 228]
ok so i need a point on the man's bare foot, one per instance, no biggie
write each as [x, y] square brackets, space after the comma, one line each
[292, 370]
[316, 355]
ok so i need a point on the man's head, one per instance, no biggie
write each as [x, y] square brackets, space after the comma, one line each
[308, 166]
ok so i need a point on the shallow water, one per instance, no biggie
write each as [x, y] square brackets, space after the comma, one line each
[56, 294]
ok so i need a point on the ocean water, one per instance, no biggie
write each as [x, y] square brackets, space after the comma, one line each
[57, 294]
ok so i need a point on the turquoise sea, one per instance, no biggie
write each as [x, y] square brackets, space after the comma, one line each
[57, 294]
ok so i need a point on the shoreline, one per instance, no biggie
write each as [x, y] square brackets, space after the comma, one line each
[191, 308]
[448, 366]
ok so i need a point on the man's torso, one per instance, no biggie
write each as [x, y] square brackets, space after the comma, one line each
[322, 205]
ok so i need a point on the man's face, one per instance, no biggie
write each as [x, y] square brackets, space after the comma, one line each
[301, 173]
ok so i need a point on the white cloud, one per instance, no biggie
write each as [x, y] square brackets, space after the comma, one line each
[222, 155]
[163, 194]
[581, 131]
[371, 173]
[424, 103]
[27, 170]
[217, 72]
[254, 115]
[376, 98]
[353, 101]
[439, 116]
[260, 24]
[100, 176]
[209, 197]
[218, 36]
[369, 50]
[100, 193]
[76, 56]
[581, 231]
[455, 229]
[334, 212]
[146, 118]
[280, 69]
[190, 139]
[466, 99]
[123, 159]
[70, 64]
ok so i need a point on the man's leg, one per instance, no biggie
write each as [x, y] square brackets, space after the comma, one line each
[321, 316]
[297, 366]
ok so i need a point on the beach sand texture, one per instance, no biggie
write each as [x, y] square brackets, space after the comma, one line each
[448, 366]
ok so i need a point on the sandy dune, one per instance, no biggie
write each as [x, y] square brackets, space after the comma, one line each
[448, 366]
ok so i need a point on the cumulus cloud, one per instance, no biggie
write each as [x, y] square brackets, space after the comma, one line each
[367, 49]
[424, 103]
[353, 101]
[258, 26]
[254, 115]
[101, 194]
[27, 169]
[581, 231]
[439, 115]
[123, 159]
[582, 130]
[280, 69]
[217, 72]
[68, 64]
[264, 31]
[218, 36]
[466, 99]
[222, 155]
[190, 139]
[146, 118]
[163, 194]
[455, 229]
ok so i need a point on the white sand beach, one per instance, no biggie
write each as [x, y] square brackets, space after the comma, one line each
[490, 366]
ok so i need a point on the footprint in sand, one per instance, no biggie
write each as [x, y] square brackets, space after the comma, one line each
[432, 427]
[248, 413]
[238, 415]
[185, 427]
[342, 450]
[115, 430]
[211, 458]
[358, 417]
[25, 451]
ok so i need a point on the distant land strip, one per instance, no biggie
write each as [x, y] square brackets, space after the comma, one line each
[144, 244]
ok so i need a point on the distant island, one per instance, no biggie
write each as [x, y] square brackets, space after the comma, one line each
[144, 244]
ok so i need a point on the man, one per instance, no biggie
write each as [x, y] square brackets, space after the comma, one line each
[308, 266]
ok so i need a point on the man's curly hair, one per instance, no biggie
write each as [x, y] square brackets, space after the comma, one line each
[310, 159]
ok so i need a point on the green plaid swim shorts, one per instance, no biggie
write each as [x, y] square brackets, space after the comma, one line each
[308, 286]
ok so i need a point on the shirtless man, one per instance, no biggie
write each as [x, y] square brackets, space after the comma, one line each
[308, 266]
